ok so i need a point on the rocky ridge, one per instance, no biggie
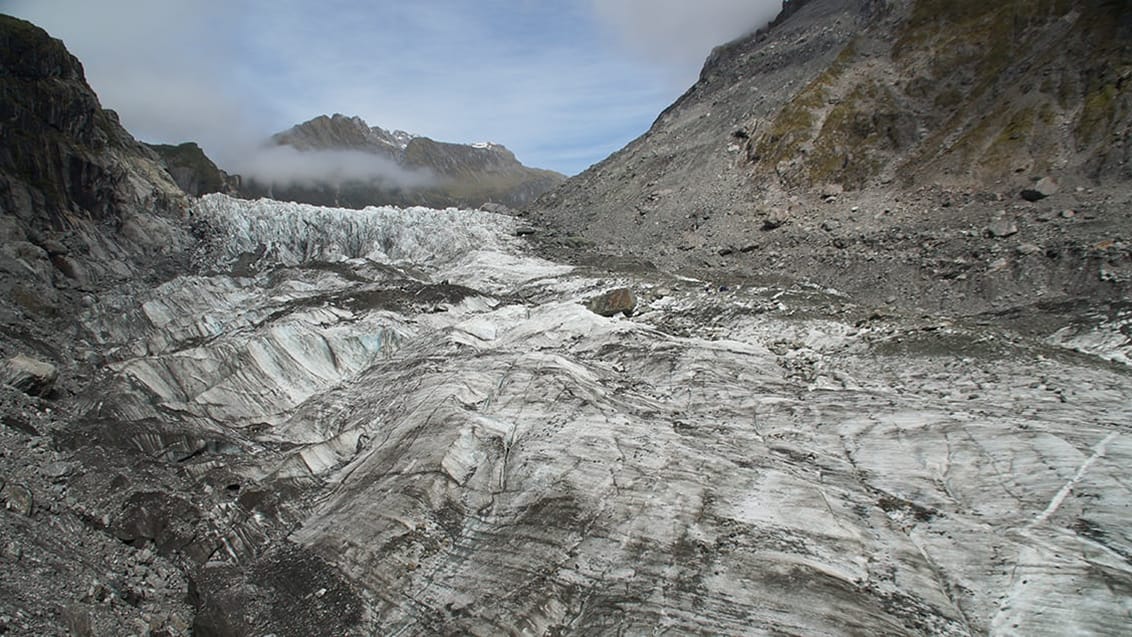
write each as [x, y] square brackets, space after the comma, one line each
[339, 132]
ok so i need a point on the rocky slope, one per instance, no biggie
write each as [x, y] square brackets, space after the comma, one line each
[418, 170]
[83, 207]
[82, 204]
[880, 147]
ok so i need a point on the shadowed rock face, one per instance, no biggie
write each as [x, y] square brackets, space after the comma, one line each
[81, 202]
[193, 171]
[62, 153]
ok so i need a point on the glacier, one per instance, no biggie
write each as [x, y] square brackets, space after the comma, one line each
[424, 404]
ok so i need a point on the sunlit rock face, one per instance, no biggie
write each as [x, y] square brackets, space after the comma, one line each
[442, 423]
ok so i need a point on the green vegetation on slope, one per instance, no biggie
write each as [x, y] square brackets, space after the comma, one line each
[969, 89]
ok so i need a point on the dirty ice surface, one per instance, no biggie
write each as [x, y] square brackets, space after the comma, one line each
[483, 455]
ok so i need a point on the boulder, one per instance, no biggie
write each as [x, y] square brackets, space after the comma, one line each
[497, 208]
[1045, 187]
[54, 247]
[17, 498]
[31, 376]
[71, 269]
[153, 516]
[1002, 228]
[776, 219]
[616, 301]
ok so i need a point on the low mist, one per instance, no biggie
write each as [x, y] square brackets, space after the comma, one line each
[282, 165]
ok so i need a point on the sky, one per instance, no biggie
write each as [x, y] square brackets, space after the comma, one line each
[561, 83]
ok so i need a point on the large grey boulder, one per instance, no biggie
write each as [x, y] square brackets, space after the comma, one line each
[29, 375]
[1046, 187]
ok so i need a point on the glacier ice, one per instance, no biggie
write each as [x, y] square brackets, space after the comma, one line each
[480, 454]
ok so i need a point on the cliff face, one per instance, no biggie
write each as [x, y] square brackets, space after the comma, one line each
[193, 171]
[858, 137]
[81, 202]
[416, 170]
[63, 156]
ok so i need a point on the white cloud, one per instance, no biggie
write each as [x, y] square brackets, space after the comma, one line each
[679, 34]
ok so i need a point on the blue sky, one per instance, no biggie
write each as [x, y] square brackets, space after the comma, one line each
[561, 83]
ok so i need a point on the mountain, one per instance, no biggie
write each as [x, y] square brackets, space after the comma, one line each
[63, 154]
[340, 132]
[403, 169]
[881, 148]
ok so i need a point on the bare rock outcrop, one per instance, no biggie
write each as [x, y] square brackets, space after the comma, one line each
[64, 155]
[29, 375]
[193, 171]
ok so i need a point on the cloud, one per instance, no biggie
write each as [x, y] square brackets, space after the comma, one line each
[678, 34]
[553, 81]
[150, 61]
[537, 77]
[286, 165]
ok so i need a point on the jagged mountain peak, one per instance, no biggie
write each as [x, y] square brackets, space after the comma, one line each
[343, 132]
